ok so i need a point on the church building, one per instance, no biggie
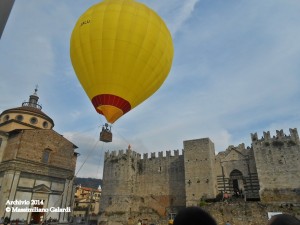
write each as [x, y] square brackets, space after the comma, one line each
[37, 166]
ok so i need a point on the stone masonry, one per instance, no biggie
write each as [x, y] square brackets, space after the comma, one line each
[24, 175]
[37, 166]
[149, 188]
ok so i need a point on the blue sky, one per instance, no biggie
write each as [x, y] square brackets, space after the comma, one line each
[236, 71]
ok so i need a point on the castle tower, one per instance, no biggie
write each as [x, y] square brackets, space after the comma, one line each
[118, 190]
[136, 188]
[278, 168]
[200, 178]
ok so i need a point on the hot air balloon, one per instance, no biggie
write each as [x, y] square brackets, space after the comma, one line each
[121, 52]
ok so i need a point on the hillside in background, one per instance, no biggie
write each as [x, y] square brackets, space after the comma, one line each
[88, 182]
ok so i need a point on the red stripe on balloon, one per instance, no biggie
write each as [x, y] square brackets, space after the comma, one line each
[107, 99]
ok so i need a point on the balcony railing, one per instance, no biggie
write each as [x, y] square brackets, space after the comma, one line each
[31, 104]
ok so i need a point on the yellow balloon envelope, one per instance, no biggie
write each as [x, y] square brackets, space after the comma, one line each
[121, 52]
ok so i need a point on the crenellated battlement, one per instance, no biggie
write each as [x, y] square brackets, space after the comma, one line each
[121, 153]
[240, 147]
[133, 154]
[279, 139]
[161, 155]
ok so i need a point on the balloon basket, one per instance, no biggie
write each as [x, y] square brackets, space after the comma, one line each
[106, 136]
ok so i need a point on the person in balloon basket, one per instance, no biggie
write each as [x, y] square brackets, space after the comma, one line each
[194, 216]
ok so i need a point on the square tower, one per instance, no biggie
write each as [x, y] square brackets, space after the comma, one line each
[199, 164]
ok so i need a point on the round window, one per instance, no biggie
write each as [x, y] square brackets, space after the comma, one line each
[6, 118]
[19, 117]
[33, 120]
[45, 124]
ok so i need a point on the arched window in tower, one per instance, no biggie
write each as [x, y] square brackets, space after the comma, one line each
[0, 142]
[46, 155]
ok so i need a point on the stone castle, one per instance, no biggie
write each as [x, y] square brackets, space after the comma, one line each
[154, 186]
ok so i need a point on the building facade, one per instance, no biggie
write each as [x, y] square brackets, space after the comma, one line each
[86, 205]
[152, 187]
[37, 166]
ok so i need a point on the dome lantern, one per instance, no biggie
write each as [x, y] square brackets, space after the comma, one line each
[33, 100]
[28, 116]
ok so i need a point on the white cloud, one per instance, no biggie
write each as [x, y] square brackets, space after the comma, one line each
[183, 14]
[175, 13]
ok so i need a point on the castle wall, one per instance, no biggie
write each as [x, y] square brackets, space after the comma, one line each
[163, 177]
[278, 166]
[200, 177]
[152, 186]
[247, 213]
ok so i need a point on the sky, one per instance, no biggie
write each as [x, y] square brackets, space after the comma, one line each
[236, 71]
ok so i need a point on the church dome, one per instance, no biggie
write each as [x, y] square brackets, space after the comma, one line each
[28, 116]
